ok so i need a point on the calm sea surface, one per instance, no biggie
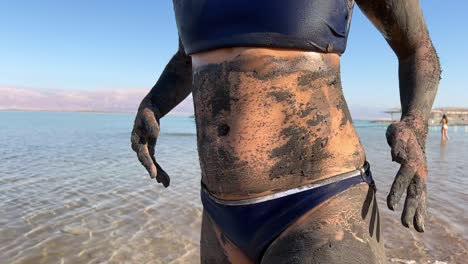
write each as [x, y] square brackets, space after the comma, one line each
[72, 191]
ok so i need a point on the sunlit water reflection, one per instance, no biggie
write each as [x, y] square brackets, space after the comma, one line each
[72, 191]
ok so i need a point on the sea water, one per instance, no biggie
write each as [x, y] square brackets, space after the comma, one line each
[72, 191]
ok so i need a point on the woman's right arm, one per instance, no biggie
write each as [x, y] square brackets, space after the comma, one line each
[173, 86]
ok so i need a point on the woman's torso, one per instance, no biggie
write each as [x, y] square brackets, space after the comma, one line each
[444, 123]
[270, 120]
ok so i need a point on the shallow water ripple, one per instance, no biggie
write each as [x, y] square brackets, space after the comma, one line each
[72, 191]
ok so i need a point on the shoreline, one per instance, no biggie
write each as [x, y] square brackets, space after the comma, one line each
[382, 121]
[65, 111]
[83, 111]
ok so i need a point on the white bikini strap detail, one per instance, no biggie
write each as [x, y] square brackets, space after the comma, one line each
[360, 172]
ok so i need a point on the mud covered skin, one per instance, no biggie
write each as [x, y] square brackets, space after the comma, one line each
[402, 24]
[334, 232]
[407, 141]
[270, 120]
[215, 248]
[144, 135]
[174, 84]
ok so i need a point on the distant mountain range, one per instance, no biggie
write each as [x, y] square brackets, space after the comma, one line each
[105, 100]
[112, 100]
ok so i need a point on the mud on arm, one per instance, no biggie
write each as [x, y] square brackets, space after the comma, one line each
[173, 86]
[402, 24]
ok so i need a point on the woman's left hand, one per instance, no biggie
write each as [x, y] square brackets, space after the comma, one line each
[407, 140]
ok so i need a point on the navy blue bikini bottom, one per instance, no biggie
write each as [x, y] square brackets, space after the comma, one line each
[253, 224]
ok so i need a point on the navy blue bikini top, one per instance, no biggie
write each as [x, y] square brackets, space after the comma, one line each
[312, 25]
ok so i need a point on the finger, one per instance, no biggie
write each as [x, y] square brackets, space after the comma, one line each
[413, 196]
[137, 135]
[151, 146]
[135, 140]
[151, 125]
[389, 134]
[145, 159]
[400, 184]
[162, 176]
[397, 139]
[399, 151]
[420, 216]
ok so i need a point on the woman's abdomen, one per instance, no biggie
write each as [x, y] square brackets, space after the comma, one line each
[269, 120]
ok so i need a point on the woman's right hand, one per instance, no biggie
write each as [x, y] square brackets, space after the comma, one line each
[144, 135]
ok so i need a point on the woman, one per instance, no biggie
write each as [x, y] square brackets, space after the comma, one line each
[444, 129]
[284, 177]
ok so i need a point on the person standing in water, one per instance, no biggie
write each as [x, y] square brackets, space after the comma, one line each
[284, 175]
[444, 128]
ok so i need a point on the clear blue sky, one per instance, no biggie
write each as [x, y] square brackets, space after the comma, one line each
[102, 44]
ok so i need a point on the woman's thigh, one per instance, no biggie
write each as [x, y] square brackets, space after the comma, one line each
[344, 229]
[215, 248]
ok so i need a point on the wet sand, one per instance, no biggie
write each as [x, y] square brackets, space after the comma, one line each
[72, 191]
